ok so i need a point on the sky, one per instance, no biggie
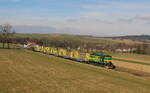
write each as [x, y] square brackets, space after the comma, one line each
[86, 17]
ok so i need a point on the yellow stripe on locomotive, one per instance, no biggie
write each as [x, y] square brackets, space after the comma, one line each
[108, 59]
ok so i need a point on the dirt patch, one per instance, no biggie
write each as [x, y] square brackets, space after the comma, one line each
[132, 59]
[137, 67]
[134, 72]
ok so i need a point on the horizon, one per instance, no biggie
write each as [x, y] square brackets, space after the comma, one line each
[83, 17]
[85, 35]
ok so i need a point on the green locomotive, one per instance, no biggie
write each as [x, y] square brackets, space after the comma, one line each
[101, 60]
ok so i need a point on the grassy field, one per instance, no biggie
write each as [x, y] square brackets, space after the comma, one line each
[135, 57]
[11, 46]
[132, 61]
[23, 71]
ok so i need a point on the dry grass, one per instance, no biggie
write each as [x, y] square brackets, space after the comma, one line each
[135, 57]
[24, 71]
[133, 72]
[133, 66]
[138, 64]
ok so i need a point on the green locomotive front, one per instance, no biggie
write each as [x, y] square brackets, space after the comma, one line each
[101, 60]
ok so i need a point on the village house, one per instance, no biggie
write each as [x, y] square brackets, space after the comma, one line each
[30, 44]
[126, 50]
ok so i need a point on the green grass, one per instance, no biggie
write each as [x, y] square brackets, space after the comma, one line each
[23, 71]
[131, 56]
[131, 61]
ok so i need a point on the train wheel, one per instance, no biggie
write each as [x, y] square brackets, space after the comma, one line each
[107, 67]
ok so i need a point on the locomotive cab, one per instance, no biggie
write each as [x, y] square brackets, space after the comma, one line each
[102, 60]
[108, 62]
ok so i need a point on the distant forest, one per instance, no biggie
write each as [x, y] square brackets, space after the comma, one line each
[135, 37]
[137, 44]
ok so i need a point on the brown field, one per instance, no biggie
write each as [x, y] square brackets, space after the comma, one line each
[24, 71]
[135, 57]
[133, 66]
[138, 60]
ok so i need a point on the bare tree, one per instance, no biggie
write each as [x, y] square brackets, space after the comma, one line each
[6, 33]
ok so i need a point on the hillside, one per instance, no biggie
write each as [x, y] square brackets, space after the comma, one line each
[23, 71]
[137, 64]
[78, 38]
[134, 37]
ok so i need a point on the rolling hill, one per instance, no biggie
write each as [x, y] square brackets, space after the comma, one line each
[79, 38]
[135, 37]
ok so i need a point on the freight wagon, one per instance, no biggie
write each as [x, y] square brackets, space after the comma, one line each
[94, 59]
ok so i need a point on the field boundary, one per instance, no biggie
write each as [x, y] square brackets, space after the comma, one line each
[131, 61]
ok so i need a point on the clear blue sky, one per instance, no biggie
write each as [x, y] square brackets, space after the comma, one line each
[94, 17]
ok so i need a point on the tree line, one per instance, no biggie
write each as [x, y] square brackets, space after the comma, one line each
[7, 36]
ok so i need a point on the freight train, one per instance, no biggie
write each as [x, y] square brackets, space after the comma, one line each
[94, 59]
